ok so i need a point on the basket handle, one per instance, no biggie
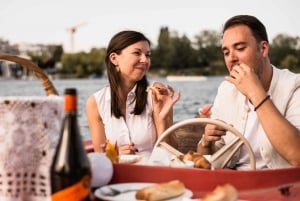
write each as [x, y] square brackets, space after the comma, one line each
[221, 157]
[47, 84]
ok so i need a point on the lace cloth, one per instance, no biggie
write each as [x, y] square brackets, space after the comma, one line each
[29, 132]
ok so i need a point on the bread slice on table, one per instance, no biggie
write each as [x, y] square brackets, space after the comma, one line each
[161, 191]
[225, 192]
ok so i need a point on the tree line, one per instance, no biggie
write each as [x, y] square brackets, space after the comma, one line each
[175, 54]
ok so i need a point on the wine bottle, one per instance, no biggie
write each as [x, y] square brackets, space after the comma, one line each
[70, 169]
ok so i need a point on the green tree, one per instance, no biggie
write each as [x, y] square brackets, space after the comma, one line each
[57, 53]
[83, 64]
[69, 62]
[96, 64]
[182, 53]
[290, 62]
[281, 46]
[208, 46]
[162, 54]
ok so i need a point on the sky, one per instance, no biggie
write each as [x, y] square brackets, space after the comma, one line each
[48, 21]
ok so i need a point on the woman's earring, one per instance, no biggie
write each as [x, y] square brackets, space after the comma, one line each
[117, 68]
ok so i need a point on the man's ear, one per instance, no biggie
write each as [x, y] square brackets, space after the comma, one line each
[264, 45]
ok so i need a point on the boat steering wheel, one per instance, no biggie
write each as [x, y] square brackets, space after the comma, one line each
[220, 158]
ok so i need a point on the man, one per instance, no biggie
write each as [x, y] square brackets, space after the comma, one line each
[258, 99]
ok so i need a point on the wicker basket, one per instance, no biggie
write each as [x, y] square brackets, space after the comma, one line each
[29, 132]
[164, 153]
[48, 86]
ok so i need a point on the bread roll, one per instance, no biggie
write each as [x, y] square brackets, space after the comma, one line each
[199, 160]
[161, 191]
[188, 156]
[152, 88]
[222, 193]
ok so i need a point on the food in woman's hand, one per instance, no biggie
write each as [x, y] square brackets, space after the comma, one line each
[161, 191]
[158, 89]
[226, 192]
[152, 88]
[199, 160]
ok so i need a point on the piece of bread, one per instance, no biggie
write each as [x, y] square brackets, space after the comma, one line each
[222, 193]
[188, 156]
[161, 191]
[152, 88]
[199, 160]
[129, 159]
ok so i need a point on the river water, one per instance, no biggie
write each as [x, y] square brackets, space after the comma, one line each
[193, 94]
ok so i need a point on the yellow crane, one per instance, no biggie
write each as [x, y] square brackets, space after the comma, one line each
[72, 31]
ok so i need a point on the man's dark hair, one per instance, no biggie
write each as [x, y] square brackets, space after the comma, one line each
[256, 26]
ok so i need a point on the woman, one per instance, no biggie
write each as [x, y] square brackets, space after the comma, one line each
[124, 112]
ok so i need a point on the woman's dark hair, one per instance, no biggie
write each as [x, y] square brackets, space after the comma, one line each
[118, 42]
[257, 28]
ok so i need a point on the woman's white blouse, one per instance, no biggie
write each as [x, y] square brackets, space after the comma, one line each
[139, 129]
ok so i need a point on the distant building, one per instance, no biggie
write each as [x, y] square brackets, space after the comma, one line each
[5, 47]
[46, 57]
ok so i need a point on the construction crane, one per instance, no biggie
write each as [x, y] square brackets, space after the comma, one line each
[72, 31]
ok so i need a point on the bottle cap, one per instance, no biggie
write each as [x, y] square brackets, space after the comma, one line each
[71, 91]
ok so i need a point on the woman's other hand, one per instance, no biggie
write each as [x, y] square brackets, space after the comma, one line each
[128, 149]
[163, 99]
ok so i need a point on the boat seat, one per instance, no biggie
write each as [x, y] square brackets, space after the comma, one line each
[188, 137]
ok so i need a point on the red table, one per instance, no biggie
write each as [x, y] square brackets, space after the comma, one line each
[254, 185]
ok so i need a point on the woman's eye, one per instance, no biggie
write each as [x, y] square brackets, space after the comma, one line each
[226, 53]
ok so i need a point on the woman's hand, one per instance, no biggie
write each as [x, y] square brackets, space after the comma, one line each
[163, 99]
[128, 149]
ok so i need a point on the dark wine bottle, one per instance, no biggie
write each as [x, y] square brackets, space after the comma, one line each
[70, 169]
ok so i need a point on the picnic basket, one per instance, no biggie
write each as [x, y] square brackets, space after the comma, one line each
[29, 132]
[163, 152]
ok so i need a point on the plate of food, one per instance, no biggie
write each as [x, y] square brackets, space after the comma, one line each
[171, 191]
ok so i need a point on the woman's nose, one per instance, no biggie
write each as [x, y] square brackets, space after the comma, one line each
[144, 58]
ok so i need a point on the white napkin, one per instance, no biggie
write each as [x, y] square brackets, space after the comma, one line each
[29, 132]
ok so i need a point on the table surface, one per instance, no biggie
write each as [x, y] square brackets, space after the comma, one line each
[252, 185]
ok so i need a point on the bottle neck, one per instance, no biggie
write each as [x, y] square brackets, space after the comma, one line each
[70, 102]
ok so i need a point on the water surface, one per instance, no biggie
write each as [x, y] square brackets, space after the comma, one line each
[193, 94]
